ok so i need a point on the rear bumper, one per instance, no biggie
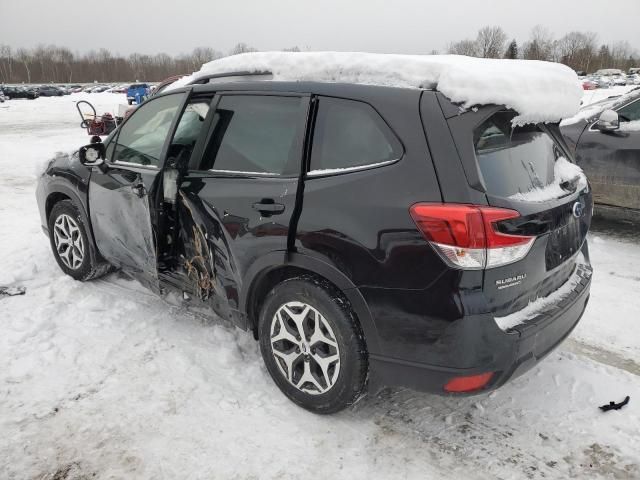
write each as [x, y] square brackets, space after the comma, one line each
[515, 351]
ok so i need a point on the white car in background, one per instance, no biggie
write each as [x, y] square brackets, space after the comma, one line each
[614, 76]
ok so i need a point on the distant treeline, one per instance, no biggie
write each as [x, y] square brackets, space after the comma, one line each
[51, 63]
[580, 50]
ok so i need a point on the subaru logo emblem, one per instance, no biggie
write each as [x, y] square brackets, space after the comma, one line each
[578, 209]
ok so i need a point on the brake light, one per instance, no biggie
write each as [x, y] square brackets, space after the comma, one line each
[466, 235]
[468, 384]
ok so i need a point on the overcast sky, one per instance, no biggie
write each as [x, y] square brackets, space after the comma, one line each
[407, 26]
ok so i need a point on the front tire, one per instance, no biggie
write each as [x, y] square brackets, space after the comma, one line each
[73, 251]
[312, 345]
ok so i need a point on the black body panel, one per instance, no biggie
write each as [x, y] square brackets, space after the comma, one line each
[222, 235]
[423, 321]
[121, 217]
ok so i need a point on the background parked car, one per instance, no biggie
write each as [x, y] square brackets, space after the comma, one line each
[601, 82]
[50, 91]
[99, 89]
[21, 92]
[117, 89]
[633, 79]
[137, 92]
[164, 84]
[605, 138]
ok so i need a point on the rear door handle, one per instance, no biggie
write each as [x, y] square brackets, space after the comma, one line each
[268, 207]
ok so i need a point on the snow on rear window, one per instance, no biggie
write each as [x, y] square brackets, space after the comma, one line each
[523, 163]
[538, 91]
[565, 173]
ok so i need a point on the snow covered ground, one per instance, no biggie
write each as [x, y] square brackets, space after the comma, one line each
[105, 380]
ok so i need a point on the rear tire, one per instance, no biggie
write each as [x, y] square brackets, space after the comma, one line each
[312, 344]
[75, 254]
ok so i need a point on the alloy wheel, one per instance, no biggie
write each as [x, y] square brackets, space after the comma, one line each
[67, 238]
[305, 348]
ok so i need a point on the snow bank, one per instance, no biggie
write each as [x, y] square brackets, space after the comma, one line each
[538, 91]
[563, 171]
[541, 304]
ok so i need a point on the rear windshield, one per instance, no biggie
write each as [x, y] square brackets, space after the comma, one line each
[514, 160]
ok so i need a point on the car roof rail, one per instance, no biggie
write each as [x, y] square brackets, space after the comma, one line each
[204, 79]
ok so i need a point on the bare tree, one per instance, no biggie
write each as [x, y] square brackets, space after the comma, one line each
[622, 54]
[6, 63]
[491, 42]
[202, 55]
[464, 47]
[540, 44]
[241, 48]
[66, 58]
[577, 49]
[24, 56]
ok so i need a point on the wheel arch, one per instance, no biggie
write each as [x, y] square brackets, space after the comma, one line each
[273, 268]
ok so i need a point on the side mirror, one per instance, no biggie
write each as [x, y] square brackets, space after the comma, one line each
[608, 121]
[92, 155]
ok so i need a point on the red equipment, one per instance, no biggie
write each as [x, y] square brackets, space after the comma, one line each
[96, 125]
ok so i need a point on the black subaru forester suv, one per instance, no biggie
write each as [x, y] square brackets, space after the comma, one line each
[366, 235]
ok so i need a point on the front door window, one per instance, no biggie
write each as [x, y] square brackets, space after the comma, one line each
[142, 137]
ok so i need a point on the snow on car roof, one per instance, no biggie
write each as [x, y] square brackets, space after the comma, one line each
[538, 91]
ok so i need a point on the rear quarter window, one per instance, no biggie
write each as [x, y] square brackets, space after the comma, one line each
[350, 135]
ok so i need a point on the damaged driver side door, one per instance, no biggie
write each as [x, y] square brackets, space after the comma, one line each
[123, 202]
[236, 202]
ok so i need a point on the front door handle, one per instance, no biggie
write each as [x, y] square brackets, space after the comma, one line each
[139, 190]
[268, 207]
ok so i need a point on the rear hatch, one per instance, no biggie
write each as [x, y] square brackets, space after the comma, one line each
[529, 169]
[532, 190]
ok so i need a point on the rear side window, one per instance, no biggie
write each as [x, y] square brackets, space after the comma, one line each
[350, 134]
[514, 160]
[256, 134]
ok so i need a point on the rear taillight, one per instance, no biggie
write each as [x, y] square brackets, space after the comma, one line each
[466, 235]
[468, 384]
